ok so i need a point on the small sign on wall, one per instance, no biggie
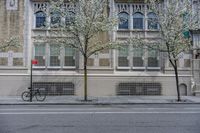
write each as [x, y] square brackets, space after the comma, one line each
[11, 4]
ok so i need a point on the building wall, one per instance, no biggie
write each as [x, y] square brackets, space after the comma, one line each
[102, 81]
[98, 85]
[11, 20]
[12, 26]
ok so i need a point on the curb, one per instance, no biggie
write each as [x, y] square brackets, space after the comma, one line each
[88, 103]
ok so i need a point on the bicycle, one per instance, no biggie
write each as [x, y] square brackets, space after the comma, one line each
[37, 93]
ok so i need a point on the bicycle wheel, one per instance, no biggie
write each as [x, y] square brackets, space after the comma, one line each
[40, 97]
[26, 96]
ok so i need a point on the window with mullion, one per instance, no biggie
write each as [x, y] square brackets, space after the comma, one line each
[138, 57]
[138, 21]
[153, 58]
[123, 54]
[69, 59]
[40, 54]
[54, 55]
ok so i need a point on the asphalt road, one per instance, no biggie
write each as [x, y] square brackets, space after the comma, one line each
[146, 118]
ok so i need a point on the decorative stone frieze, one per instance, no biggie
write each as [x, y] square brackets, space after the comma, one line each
[40, 7]
[121, 7]
[70, 7]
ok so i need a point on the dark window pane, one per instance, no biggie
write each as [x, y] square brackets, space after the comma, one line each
[137, 62]
[40, 19]
[123, 57]
[123, 20]
[41, 61]
[152, 62]
[54, 61]
[69, 56]
[187, 63]
[55, 19]
[138, 21]
[69, 61]
[137, 57]
[40, 54]
[123, 62]
[152, 21]
[70, 18]
[54, 55]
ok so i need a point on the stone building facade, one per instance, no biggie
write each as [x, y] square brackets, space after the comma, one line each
[111, 72]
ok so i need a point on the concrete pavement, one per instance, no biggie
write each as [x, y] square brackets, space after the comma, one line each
[75, 100]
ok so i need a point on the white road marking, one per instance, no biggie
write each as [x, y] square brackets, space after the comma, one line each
[47, 113]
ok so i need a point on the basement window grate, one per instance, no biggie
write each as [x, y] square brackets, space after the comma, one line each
[55, 88]
[133, 88]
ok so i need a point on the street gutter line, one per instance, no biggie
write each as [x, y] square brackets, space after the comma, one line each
[60, 109]
[47, 113]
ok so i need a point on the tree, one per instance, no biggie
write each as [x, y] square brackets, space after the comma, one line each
[174, 19]
[9, 43]
[82, 28]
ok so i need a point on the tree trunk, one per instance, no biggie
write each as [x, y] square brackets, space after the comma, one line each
[85, 78]
[177, 82]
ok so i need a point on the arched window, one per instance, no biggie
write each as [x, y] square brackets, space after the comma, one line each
[55, 19]
[70, 18]
[138, 21]
[123, 20]
[40, 19]
[152, 21]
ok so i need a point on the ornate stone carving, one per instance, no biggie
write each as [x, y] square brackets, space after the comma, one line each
[122, 7]
[138, 8]
[11, 4]
[40, 7]
[125, 7]
[70, 7]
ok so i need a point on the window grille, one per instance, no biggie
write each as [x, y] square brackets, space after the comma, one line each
[55, 88]
[133, 88]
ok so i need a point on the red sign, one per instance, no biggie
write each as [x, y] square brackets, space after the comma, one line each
[34, 62]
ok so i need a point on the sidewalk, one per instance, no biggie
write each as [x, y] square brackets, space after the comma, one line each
[108, 100]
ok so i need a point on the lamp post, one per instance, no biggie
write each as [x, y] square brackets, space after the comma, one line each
[33, 61]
